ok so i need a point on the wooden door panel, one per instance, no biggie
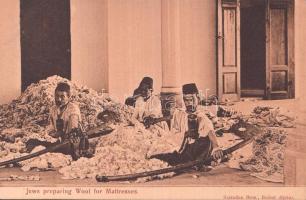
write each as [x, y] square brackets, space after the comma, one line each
[279, 49]
[228, 50]
[229, 41]
[229, 83]
[279, 81]
[278, 36]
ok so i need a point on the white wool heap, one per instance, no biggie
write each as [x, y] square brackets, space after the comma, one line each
[127, 148]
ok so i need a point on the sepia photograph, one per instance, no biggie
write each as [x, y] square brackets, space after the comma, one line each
[153, 99]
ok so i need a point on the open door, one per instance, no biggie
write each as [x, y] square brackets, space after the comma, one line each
[45, 40]
[228, 49]
[279, 49]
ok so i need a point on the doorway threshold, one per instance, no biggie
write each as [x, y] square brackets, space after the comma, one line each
[251, 99]
[252, 93]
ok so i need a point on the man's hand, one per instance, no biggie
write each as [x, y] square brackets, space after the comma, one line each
[74, 140]
[217, 154]
[73, 137]
[192, 134]
[148, 121]
[54, 134]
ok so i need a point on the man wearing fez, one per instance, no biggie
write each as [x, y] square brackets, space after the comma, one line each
[147, 105]
[193, 131]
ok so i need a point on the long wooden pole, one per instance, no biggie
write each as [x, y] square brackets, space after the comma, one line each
[171, 169]
[93, 134]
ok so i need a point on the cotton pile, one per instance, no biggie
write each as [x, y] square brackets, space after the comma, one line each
[125, 151]
[127, 148]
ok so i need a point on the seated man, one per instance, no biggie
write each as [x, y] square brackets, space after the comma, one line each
[65, 121]
[64, 115]
[193, 130]
[148, 105]
[138, 92]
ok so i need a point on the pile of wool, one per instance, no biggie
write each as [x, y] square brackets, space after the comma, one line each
[12, 144]
[267, 162]
[226, 117]
[27, 116]
[239, 156]
[44, 162]
[125, 151]
[271, 117]
[222, 117]
[31, 109]
[265, 156]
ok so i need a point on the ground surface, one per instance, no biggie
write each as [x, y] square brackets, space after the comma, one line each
[220, 176]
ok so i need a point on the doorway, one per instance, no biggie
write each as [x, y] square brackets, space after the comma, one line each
[45, 40]
[253, 48]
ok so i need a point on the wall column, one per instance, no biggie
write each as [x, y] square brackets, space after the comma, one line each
[171, 76]
[10, 65]
[89, 44]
